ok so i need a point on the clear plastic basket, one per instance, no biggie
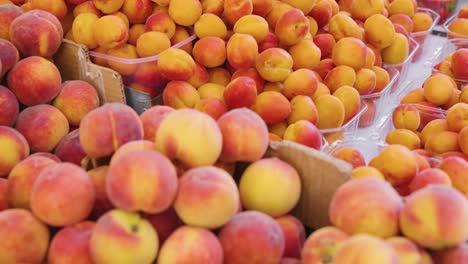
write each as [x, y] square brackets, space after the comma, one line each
[421, 37]
[451, 46]
[451, 34]
[444, 8]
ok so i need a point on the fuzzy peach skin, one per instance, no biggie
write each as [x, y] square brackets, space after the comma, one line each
[245, 136]
[364, 248]
[69, 148]
[294, 235]
[207, 197]
[291, 27]
[71, 244]
[55, 192]
[192, 126]
[21, 180]
[76, 99]
[176, 64]
[300, 82]
[424, 219]
[191, 245]
[152, 118]
[7, 14]
[406, 117]
[131, 237]
[272, 107]
[341, 50]
[304, 132]
[36, 33]
[8, 106]
[274, 64]
[119, 125]
[210, 51]
[9, 55]
[366, 205]
[429, 176]
[43, 126]
[24, 238]
[322, 244]
[266, 177]
[252, 237]
[15, 148]
[456, 169]
[34, 80]
[141, 168]
[240, 92]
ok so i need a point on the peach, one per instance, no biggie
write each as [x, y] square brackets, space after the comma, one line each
[69, 149]
[245, 136]
[457, 28]
[58, 8]
[7, 14]
[71, 244]
[4, 194]
[252, 237]
[210, 25]
[108, 7]
[210, 51]
[464, 95]
[423, 217]
[25, 238]
[132, 229]
[152, 118]
[211, 90]
[274, 64]
[362, 9]
[350, 99]
[331, 112]
[351, 155]
[382, 78]
[212, 106]
[442, 142]
[8, 106]
[266, 177]
[137, 11]
[403, 20]
[43, 126]
[252, 73]
[101, 204]
[304, 132]
[219, 75]
[300, 82]
[152, 43]
[176, 64]
[22, 178]
[165, 223]
[254, 25]
[406, 117]
[214, 7]
[313, 26]
[340, 76]
[401, 29]
[185, 13]
[132, 146]
[199, 129]
[433, 127]
[341, 26]
[83, 29]
[398, 51]
[240, 92]
[463, 140]
[262, 7]
[180, 35]
[457, 254]
[120, 124]
[294, 235]
[278, 128]
[86, 7]
[407, 7]
[404, 137]
[407, 251]
[161, 22]
[34, 80]
[422, 21]
[180, 94]
[422, 159]
[451, 154]
[326, 42]
[321, 12]
[403, 168]
[148, 75]
[305, 54]
[110, 31]
[126, 51]
[365, 82]
[273, 87]
[277, 10]
[413, 97]
[135, 32]
[457, 117]
[9, 55]
[322, 244]
[235, 9]
[303, 108]
[242, 51]
[191, 244]
[145, 167]
[348, 214]
[377, 56]
[454, 100]
[346, 45]
[270, 41]
[291, 27]
[368, 117]
[200, 76]
[55, 192]
[366, 171]
[365, 248]
[76, 99]
[205, 186]
[272, 107]
[429, 176]
[456, 168]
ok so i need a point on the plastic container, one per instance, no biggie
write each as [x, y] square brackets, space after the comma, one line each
[403, 67]
[348, 130]
[377, 102]
[421, 37]
[140, 74]
[451, 46]
[445, 8]
[451, 34]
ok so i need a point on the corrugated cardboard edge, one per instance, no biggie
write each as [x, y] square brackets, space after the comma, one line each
[74, 64]
[321, 176]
